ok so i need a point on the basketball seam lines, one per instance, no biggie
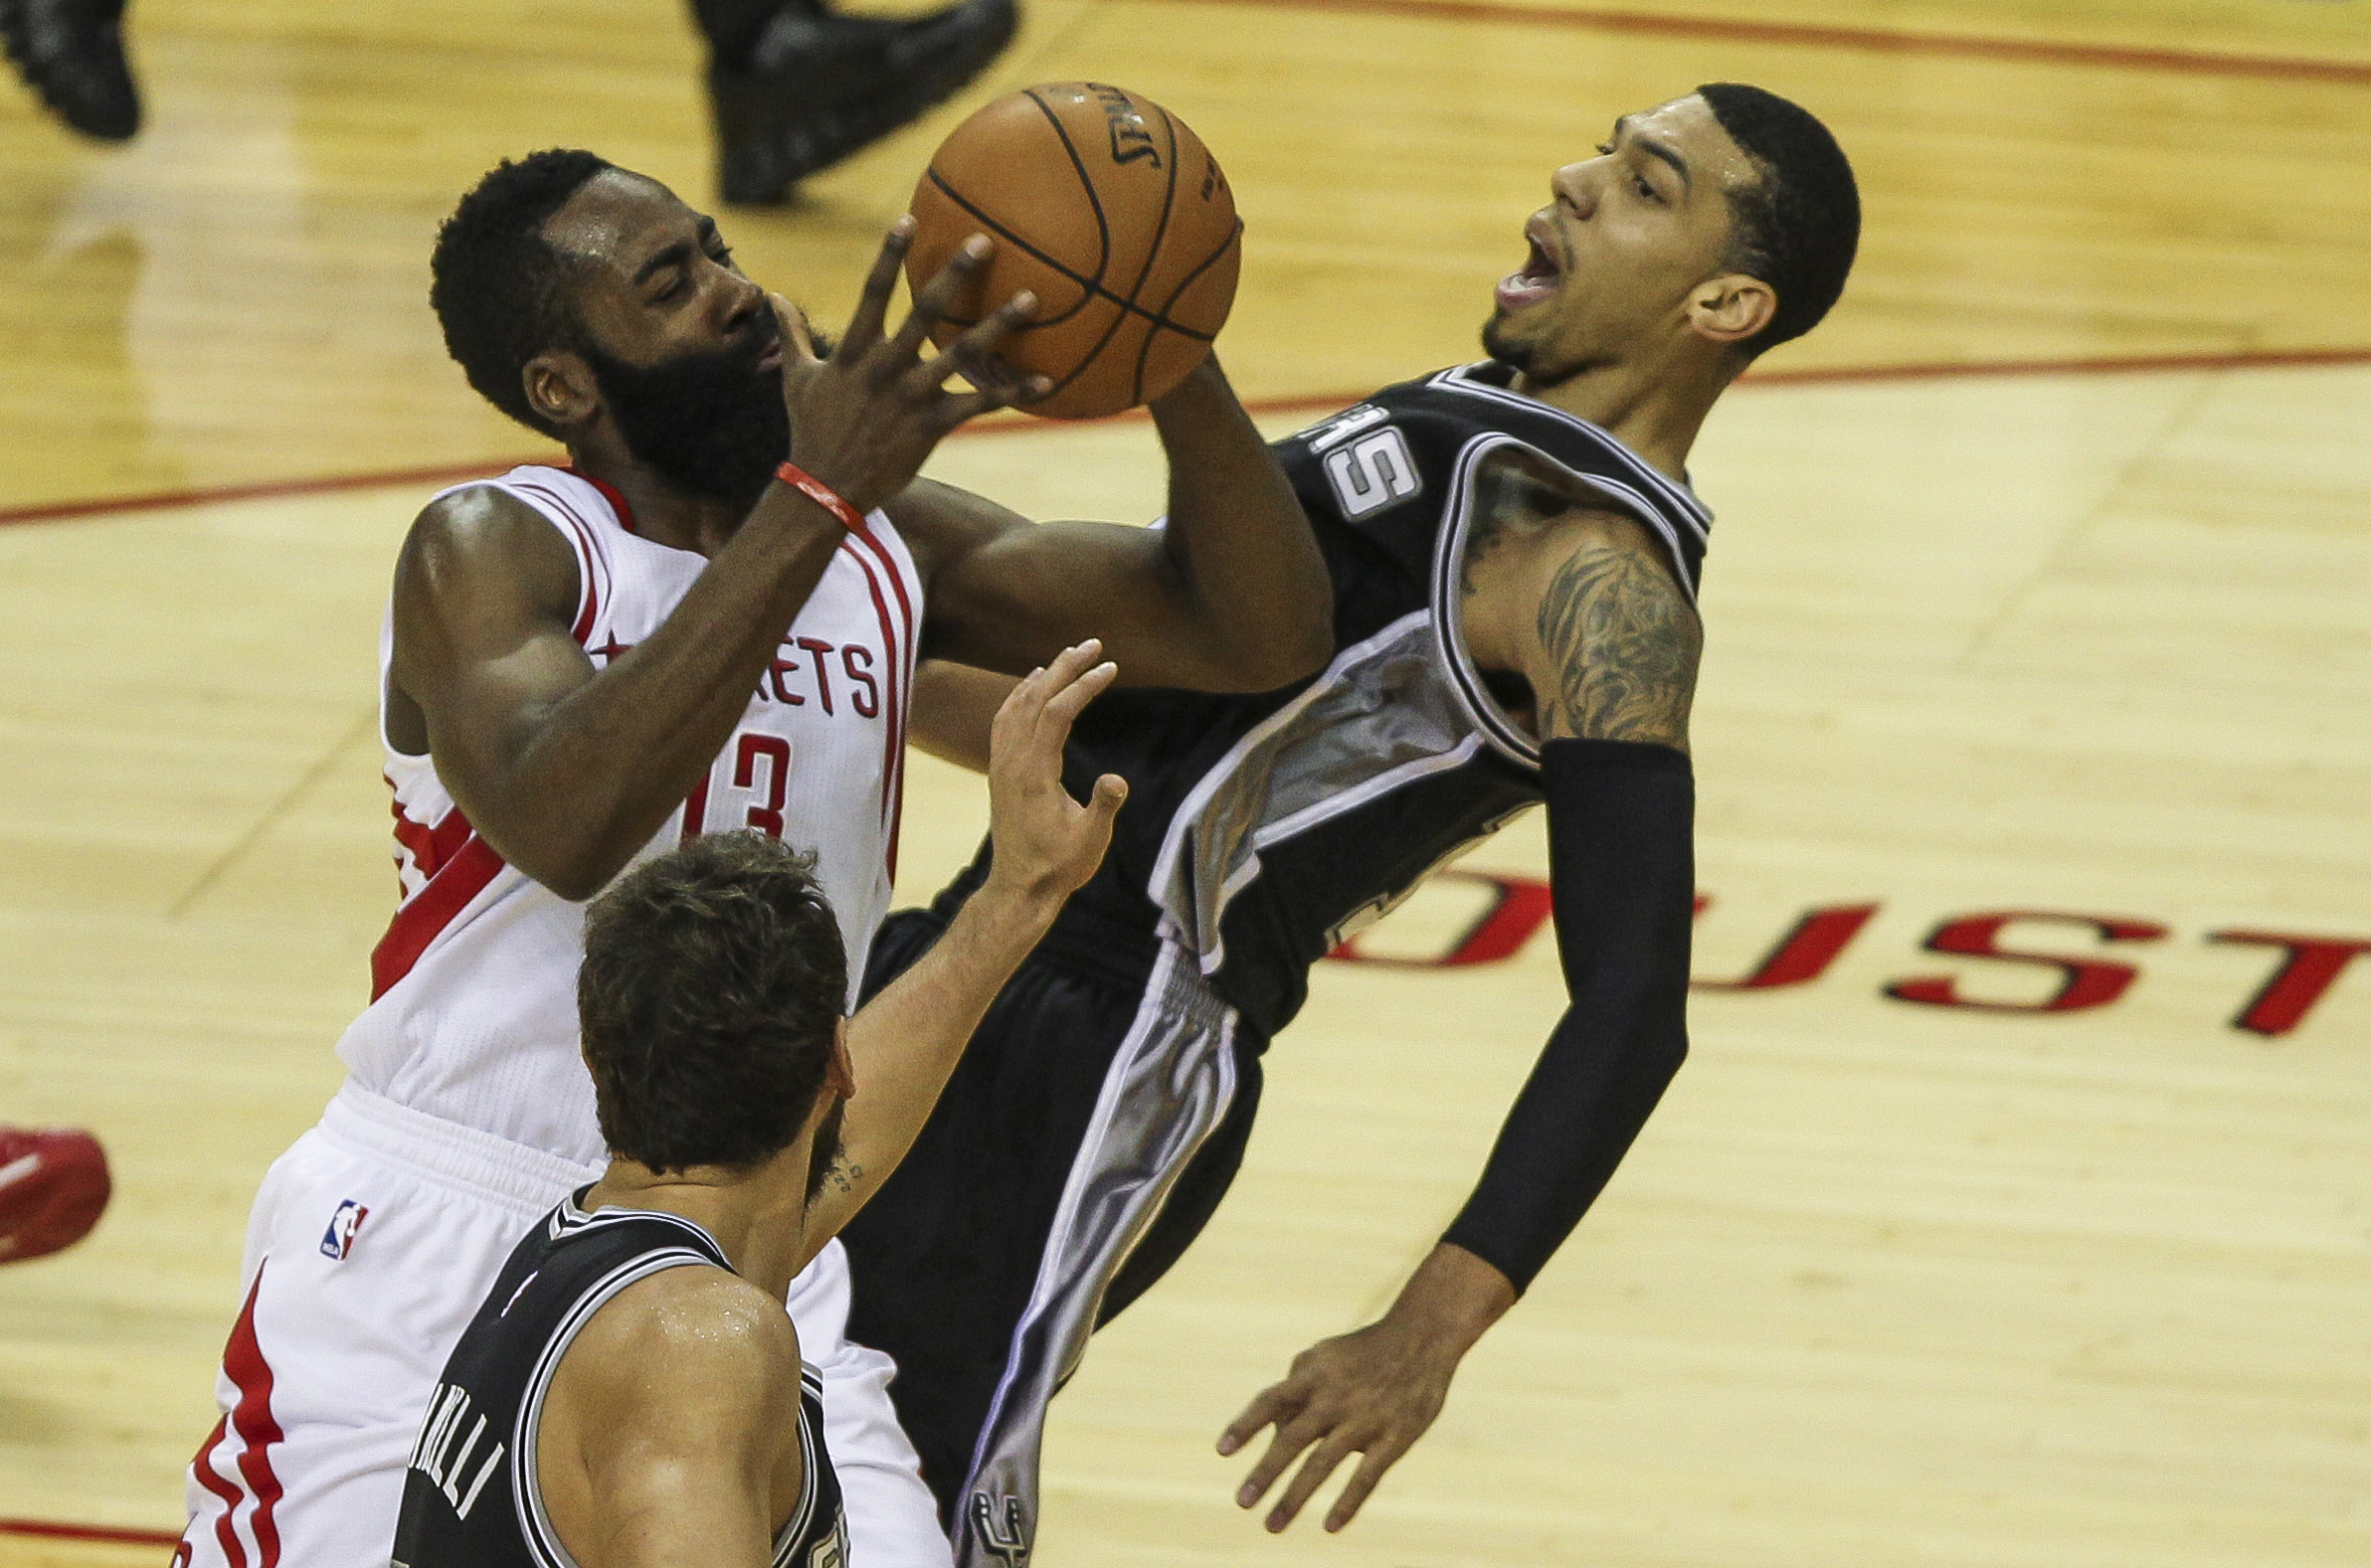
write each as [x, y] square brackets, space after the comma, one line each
[1144, 353]
[1091, 285]
[1168, 205]
[1089, 295]
[1086, 183]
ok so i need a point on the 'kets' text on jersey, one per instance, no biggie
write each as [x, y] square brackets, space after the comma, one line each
[473, 1011]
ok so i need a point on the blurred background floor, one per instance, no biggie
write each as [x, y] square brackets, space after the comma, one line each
[2037, 592]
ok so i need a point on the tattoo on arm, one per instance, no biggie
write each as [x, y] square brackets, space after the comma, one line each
[1621, 642]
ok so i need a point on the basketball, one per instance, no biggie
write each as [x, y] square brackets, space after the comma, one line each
[1112, 211]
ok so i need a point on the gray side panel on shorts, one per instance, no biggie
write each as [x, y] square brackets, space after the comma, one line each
[1167, 1088]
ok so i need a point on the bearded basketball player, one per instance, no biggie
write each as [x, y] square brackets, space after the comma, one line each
[1514, 551]
[631, 1391]
[707, 622]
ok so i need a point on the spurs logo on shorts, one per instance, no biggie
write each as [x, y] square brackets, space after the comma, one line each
[1003, 1532]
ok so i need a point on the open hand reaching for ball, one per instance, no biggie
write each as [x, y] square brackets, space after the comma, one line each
[864, 420]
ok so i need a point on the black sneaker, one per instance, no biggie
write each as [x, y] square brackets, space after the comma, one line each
[819, 87]
[71, 54]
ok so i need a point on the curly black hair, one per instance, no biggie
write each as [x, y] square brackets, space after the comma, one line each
[713, 978]
[497, 285]
[1800, 225]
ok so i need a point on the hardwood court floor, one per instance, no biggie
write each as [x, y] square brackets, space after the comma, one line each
[1885, 1282]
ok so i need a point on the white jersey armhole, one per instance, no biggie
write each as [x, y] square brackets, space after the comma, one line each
[572, 507]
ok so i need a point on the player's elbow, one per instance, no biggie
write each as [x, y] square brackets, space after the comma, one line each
[1310, 650]
[574, 886]
[577, 883]
[574, 868]
[1278, 657]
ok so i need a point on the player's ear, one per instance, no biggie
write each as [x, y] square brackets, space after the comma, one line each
[561, 389]
[1732, 307]
[839, 1075]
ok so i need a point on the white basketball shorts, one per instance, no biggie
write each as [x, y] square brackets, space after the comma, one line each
[371, 1245]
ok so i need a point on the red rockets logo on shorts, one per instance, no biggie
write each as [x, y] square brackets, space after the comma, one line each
[344, 1225]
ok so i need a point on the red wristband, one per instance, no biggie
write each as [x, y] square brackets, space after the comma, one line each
[823, 495]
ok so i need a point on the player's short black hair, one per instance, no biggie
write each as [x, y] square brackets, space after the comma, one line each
[498, 287]
[712, 982]
[1800, 225]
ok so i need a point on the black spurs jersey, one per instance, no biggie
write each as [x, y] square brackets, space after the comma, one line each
[471, 1499]
[1261, 831]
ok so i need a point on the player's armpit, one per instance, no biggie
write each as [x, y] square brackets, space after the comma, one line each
[955, 711]
[1615, 643]
[669, 1438]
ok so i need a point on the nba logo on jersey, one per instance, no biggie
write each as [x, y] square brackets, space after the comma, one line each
[338, 1239]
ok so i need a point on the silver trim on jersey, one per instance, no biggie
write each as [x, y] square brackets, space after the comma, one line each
[526, 1489]
[1297, 768]
[1509, 738]
[1506, 737]
[786, 1539]
[1460, 379]
[1380, 717]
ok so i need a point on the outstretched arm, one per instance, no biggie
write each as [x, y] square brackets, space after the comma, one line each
[1610, 650]
[1231, 595]
[905, 1042]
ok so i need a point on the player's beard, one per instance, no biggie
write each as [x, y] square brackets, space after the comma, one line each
[826, 1149]
[1521, 357]
[712, 422]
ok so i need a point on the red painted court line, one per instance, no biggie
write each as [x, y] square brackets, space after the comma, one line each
[1299, 402]
[265, 489]
[1864, 39]
[2103, 365]
[88, 1532]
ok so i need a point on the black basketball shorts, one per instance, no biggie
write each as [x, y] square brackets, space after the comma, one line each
[1085, 1138]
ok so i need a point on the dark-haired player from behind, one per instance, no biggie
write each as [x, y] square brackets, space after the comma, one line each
[631, 1392]
[1514, 552]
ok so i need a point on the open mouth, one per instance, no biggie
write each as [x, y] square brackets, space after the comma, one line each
[1536, 280]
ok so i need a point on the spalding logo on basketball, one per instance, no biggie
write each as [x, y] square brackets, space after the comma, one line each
[1113, 212]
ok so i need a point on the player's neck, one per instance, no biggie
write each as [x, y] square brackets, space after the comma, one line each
[662, 511]
[1656, 410]
[757, 1216]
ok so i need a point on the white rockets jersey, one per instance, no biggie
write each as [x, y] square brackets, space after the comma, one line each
[472, 1013]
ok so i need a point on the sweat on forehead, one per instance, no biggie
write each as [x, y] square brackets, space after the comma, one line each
[604, 217]
[1688, 127]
